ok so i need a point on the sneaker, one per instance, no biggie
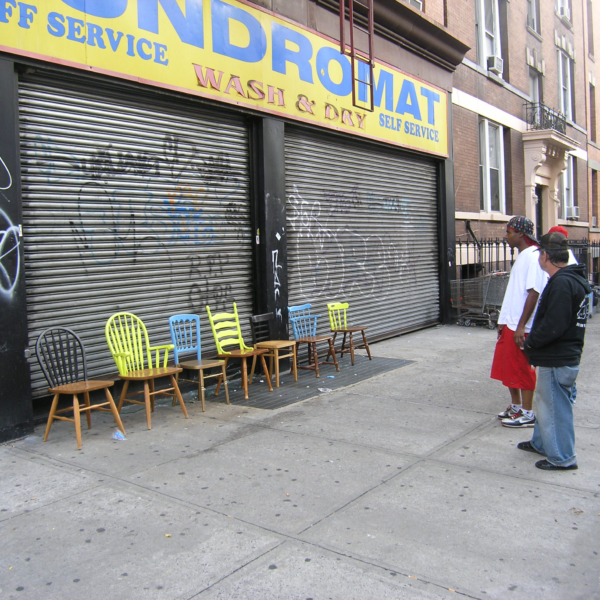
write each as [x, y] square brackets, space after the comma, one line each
[509, 413]
[519, 420]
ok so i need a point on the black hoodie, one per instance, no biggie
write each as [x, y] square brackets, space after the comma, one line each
[556, 337]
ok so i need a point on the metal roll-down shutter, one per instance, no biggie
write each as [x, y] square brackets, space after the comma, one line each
[362, 228]
[133, 201]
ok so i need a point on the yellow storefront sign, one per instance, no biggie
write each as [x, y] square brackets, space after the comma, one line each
[232, 52]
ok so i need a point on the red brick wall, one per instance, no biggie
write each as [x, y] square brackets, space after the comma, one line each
[465, 129]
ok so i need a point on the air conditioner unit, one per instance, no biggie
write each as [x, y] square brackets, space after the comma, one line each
[565, 12]
[572, 212]
[594, 221]
[416, 3]
[495, 65]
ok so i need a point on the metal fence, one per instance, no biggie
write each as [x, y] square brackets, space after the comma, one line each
[483, 257]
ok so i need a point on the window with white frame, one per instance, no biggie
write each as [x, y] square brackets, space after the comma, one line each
[533, 21]
[566, 189]
[565, 84]
[563, 8]
[491, 167]
[488, 31]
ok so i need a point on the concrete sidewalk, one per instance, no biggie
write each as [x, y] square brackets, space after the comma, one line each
[404, 486]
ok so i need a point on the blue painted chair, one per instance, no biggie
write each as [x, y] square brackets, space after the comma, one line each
[304, 326]
[185, 334]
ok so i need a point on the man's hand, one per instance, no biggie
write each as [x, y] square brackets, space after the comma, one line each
[519, 337]
[500, 328]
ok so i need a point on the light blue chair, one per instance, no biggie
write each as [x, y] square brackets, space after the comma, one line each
[185, 334]
[304, 327]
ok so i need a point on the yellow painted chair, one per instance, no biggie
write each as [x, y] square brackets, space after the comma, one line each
[129, 345]
[337, 320]
[227, 333]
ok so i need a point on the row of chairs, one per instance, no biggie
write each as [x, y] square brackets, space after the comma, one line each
[61, 355]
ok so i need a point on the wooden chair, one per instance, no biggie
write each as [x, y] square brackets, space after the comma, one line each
[185, 335]
[62, 358]
[337, 320]
[128, 342]
[227, 332]
[304, 326]
[259, 325]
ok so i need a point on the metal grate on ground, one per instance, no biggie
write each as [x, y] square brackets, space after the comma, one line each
[307, 386]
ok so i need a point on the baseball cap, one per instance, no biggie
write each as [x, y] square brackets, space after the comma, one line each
[524, 226]
[559, 229]
[554, 241]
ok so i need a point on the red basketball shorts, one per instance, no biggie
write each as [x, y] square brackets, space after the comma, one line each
[510, 364]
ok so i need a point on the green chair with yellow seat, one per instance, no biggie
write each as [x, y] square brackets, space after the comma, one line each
[130, 347]
[228, 334]
[339, 324]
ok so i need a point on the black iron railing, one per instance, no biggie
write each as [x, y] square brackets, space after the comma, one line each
[539, 116]
[482, 257]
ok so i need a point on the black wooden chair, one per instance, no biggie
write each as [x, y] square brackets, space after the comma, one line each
[61, 356]
[260, 326]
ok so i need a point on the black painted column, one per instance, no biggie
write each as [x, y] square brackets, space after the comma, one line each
[15, 389]
[271, 291]
[447, 234]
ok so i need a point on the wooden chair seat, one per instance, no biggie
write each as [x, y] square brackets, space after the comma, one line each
[61, 355]
[273, 347]
[153, 373]
[200, 364]
[128, 341]
[337, 320]
[81, 387]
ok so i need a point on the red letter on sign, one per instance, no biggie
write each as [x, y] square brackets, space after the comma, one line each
[204, 81]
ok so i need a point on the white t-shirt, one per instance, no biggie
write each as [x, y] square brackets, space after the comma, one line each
[526, 275]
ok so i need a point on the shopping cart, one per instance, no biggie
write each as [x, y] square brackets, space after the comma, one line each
[479, 299]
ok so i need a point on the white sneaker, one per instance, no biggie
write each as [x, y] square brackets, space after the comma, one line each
[519, 420]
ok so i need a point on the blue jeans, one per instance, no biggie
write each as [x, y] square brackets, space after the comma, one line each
[554, 432]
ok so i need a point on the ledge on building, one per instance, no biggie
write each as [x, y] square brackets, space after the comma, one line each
[568, 223]
[412, 29]
[482, 216]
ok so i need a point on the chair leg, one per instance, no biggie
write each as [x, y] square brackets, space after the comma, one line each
[316, 356]
[245, 377]
[295, 362]
[86, 397]
[252, 370]
[114, 410]
[220, 380]
[51, 415]
[77, 419]
[343, 349]
[366, 345]
[351, 349]
[276, 359]
[309, 354]
[335, 362]
[224, 377]
[266, 371]
[329, 353]
[152, 397]
[201, 387]
[179, 396]
[147, 403]
[123, 395]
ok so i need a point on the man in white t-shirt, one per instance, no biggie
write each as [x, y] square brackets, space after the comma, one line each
[510, 365]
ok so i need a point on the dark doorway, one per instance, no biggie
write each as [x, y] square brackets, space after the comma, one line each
[539, 219]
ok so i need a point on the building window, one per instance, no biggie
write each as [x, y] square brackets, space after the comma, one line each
[491, 167]
[563, 8]
[594, 199]
[488, 35]
[592, 112]
[566, 190]
[590, 24]
[533, 15]
[565, 84]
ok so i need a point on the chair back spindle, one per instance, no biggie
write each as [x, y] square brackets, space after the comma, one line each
[227, 330]
[337, 314]
[303, 323]
[61, 356]
[185, 334]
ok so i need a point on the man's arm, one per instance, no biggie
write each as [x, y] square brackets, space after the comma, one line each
[557, 319]
[532, 298]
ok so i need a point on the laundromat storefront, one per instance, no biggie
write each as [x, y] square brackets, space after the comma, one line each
[363, 229]
[136, 199]
[132, 202]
